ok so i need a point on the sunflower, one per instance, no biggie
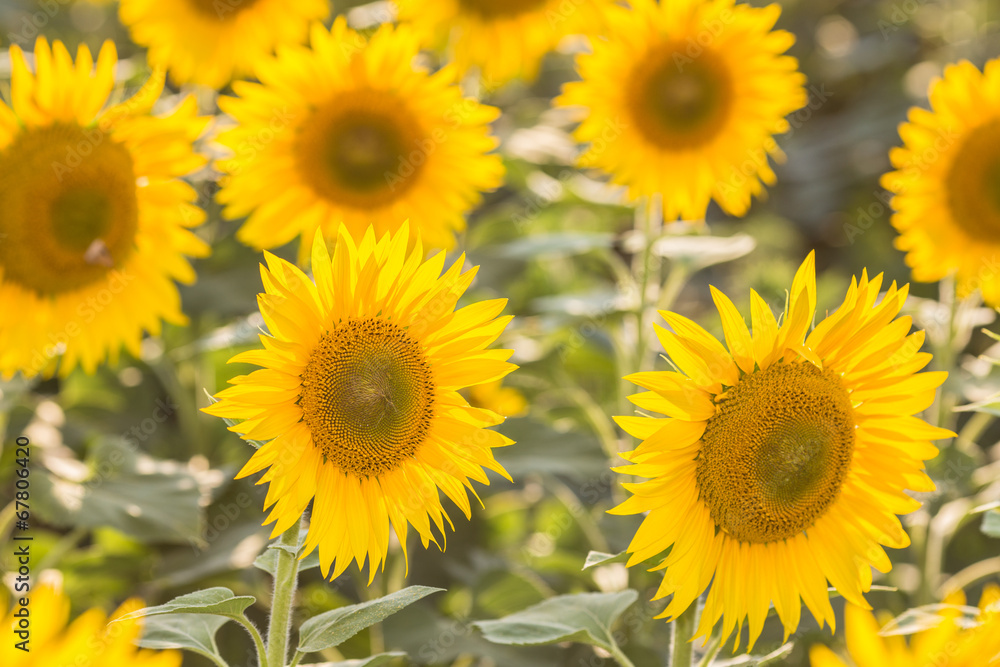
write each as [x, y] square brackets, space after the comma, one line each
[91, 639]
[506, 401]
[92, 215]
[683, 100]
[785, 458]
[505, 39]
[359, 397]
[945, 643]
[349, 132]
[212, 41]
[947, 182]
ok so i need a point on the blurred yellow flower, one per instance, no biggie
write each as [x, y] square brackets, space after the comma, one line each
[505, 39]
[786, 458]
[91, 639]
[94, 217]
[213, 41]
[359, 399]
[683, 99]
[947, 182]
[506, 401]
[944, 644]
[350, 133]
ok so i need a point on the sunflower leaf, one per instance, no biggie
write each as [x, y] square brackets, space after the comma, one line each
[990, 406]
[371, 661]
[920, 619]
[152, 500]
[268, 561]
[584, 617]
[595, 558]
[194, 632]
[559, 244]
[334, 627]
[256, 444]
[834, 593]
[219, 601]
[698, 252]
[991, 523]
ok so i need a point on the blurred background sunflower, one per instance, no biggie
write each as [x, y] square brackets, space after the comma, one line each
[95, 221]
[501, 39]
[210, 42]
[682, 99]
[358, 136]
[947, 182]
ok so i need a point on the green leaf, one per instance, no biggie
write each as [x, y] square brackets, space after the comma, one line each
[557, 243]
[194, 632]
[256, 444]
[584, 617]
[919, 619]
[990, 406]
[502, 592]
[219, 601]
[268, 561]
[543, 450]
[373, 661]
[149, 499]
[338, 625]
[991, 523]
[596, 558]
[834, 593]
[759, 660]
[597, 302]
[700, 251]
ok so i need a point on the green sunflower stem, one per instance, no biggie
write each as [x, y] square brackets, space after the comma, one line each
[286, 576]
[713, 648]
[681, 650]
[620, 656]
[649, 221]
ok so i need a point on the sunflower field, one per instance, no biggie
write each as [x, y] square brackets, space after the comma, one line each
[499, 333]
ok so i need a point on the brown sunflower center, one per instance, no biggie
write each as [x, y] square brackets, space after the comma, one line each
[362, 151]
[68, 208]
[492, 9]
[367, 396]
[221, 10]
[973, 184]
[679, 102]
[775, 454]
